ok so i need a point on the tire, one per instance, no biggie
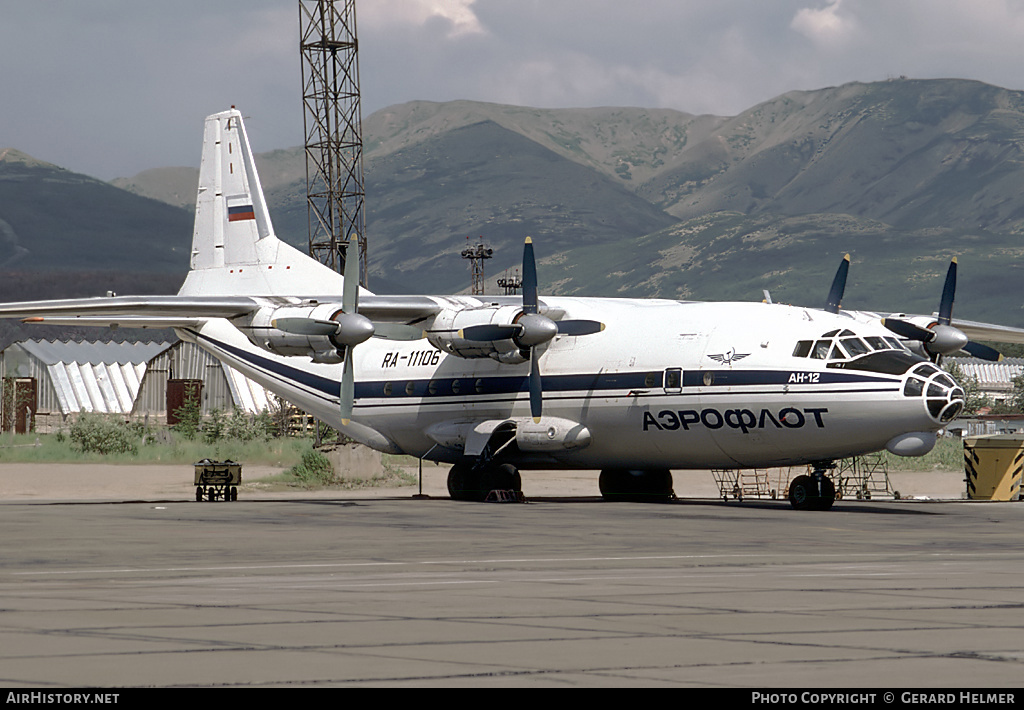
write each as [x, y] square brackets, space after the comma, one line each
[636, 485]
[827, 497]
[504, 477]
[464, 481]
[804, 493]
[800, 492]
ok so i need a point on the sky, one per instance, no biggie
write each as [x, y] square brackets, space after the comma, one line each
[113, 87]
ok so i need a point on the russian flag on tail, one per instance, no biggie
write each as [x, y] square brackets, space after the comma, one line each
[241, 212]
[240, 208]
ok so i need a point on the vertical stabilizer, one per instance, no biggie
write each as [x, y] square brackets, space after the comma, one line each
[234, 248]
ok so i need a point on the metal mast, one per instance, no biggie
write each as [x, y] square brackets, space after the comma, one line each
[476, 256]
[333, 125]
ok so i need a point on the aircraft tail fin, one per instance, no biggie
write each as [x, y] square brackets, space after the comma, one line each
[234, 248]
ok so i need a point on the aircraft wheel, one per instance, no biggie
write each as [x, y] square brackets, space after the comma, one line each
[465, 481]
[504, 477]
[800, 492]
[804, 493]
[636, 485]
[827, 497]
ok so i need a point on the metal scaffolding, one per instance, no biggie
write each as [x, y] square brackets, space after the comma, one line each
[333, 127]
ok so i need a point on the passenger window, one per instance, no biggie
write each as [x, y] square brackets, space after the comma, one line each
[673, 379]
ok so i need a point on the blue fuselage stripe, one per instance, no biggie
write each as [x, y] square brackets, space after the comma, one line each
[641, 383]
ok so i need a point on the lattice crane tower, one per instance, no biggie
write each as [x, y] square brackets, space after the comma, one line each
[333, 126]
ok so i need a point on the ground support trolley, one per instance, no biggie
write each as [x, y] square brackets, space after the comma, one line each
[862, 476]
[742, 484]
[217, 480]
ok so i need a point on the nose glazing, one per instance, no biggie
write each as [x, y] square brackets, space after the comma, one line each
[943, 397]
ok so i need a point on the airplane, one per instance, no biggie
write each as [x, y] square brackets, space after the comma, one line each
[493, 385]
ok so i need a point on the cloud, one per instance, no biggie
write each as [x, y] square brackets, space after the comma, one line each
[113, 87]
[825, 26]
[457, 14]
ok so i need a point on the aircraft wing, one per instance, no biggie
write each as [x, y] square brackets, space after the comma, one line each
[189, 311]
[167, 307]
[990, 332]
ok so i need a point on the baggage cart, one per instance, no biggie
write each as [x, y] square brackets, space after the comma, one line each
[217, 480]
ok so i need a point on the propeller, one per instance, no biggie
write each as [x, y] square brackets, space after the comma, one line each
[348, 329]
[531, 329]
[835, 294]
[941, 337]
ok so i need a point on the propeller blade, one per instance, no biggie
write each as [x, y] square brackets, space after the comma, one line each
[350, 306]
[536, 396]
[579, 327]
[983, 352]
[529, 278]
[347, 394]
[948, 294]
[489, 332]
[305, 326]
[908, 330]
[835, 294]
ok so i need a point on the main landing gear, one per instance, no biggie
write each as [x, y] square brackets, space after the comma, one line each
[472, 479]
[636, 485]
[813, 492]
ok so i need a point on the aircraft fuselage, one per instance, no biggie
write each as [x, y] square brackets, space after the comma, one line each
[666, 384]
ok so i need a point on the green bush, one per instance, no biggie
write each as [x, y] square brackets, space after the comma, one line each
[190, 419]
[314, 470]
[104, 435]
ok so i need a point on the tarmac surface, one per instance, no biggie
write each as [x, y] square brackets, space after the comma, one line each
[117, 577]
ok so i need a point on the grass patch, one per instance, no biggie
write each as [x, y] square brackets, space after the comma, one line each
[161, 448]
[948, 455]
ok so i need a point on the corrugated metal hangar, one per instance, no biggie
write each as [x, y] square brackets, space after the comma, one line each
[44, 382]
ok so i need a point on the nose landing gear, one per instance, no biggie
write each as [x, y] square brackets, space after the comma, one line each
[813, 492]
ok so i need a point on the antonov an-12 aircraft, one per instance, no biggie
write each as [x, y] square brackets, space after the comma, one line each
[495, 384]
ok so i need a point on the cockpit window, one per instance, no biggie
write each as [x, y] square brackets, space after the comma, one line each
[843, 347]
[855, 346]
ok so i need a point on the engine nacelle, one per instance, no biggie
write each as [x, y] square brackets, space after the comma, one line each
[444, 334]
[321, 348]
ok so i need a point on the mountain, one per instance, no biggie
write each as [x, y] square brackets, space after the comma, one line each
[909, 153]
[52, 219]
[902, 174]
[424, 199]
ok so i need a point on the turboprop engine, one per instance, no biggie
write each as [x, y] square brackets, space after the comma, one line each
[319, 331]
[447, 333]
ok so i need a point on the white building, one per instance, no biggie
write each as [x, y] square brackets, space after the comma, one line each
[46, 382]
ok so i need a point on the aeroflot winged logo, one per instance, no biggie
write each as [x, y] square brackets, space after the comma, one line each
[729, 357]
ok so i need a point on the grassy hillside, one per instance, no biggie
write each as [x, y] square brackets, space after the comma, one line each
[625, 201]
[729, 256]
